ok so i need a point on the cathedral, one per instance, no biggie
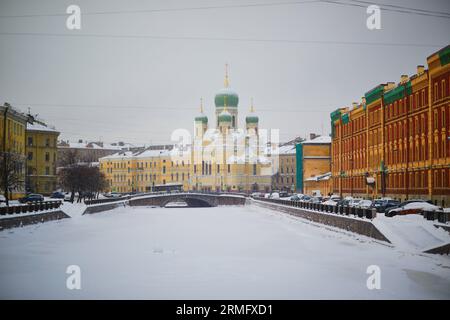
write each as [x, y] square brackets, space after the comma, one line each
[228, 158]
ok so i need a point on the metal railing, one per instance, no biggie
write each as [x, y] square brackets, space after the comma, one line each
[30, 207]
[440, 216]
[320, 207]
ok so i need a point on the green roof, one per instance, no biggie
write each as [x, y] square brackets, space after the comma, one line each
[225, 117]
[203, 119]
[397, 93]
[444, 56]
[345, 118]
[335, 114]
[374, 94]
[251, 119]
[227, 95]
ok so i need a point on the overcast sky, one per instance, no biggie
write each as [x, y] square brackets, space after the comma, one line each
[139, 89]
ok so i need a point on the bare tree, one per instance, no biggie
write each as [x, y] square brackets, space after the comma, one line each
[88, 181]
[11, 172]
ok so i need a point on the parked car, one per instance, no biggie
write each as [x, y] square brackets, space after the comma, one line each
[335, 197]
[33, 197]
[316, 200]
[402, 204]
[57, 195]
[381, 205]
[305, 199]
[274, 195]
[364, 204]
[2, 198]
[295, 198]
[284, 194]
[355, 202]
[413, 208]
[256, 195]
[330, 202]
[267, 195]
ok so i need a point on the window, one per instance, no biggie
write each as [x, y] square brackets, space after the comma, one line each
[47, 157]
[30, 155]
[443, 93]
[47, 142]
[47, 171]
[436, 92]
[30, 141]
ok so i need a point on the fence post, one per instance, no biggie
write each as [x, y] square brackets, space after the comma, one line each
[360, 212]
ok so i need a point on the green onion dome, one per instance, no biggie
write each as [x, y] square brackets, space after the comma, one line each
[252, 119]
[202, 118]
[225, 116]
[231, 97]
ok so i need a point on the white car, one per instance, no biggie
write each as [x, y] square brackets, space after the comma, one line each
[274, 195]
[355, 202]
[364, 204]
[329, 202]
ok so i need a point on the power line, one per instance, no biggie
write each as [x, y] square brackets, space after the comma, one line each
[143, 107]
[401, 7]
[392, 8]
[255, 40]
[231, 6]
[355, 3]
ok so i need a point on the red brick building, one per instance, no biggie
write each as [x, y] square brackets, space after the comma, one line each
[396, 142]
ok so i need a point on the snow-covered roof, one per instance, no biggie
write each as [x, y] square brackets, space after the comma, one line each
[318, 140]
[153, 153]
[39, 127]
[88, 145]
[138, 155]
[325, 176]
[287, 149]
[118, 155]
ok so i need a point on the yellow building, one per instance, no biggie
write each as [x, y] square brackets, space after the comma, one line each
[41, 153]
[144, 171]
[314, 158]
[12, 140]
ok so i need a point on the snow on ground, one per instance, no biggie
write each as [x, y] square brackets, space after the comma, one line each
[411, 232]
[208, 253]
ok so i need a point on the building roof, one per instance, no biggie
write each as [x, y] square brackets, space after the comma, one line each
[318, 140]
[118, 155]
[40, 127]
[287, 149]
[152, 153]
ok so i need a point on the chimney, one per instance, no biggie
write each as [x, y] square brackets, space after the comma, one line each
[404, 78]
[80, 141]
[312, 136]
[420, 70]
[354, 105]
[363, 100]
[390, 85]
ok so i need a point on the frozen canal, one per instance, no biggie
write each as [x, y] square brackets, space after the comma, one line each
[208, 253]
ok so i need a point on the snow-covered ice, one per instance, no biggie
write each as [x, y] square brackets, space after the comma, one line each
[225, 252]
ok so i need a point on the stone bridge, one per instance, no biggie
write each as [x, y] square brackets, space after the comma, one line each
[191, 199]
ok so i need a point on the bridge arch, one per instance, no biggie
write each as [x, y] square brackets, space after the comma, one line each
[192, 199]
